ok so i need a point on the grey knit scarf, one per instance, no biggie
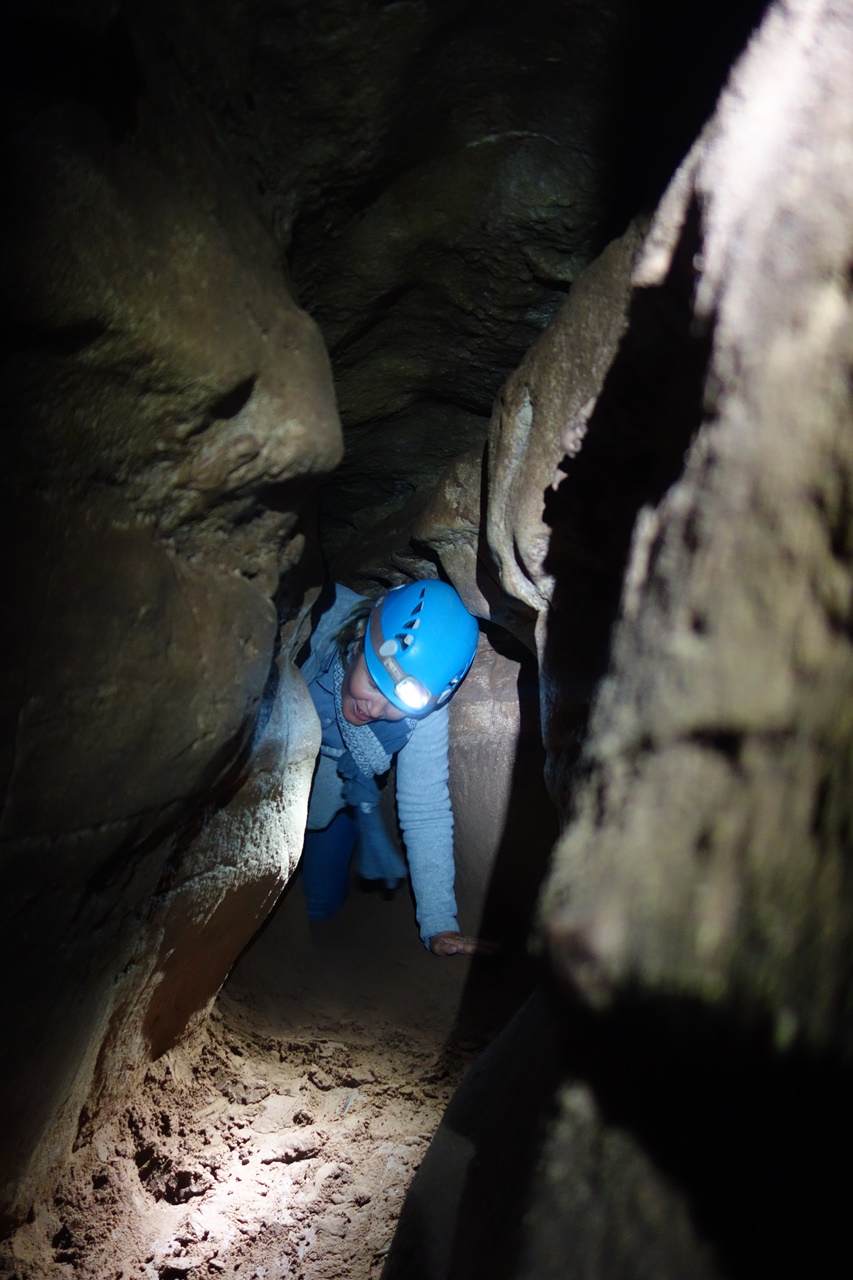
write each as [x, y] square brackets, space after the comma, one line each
[362, 743]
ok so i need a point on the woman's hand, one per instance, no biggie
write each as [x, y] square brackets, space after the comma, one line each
[453, 944]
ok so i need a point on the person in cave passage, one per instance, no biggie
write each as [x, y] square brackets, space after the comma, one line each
[381, 677]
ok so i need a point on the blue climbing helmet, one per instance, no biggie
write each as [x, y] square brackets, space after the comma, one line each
[420, 642]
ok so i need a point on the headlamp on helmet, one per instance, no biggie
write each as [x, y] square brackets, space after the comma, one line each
[419, 645]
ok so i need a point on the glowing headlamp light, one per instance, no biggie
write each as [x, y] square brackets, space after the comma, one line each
[412, 693]
[408, 689]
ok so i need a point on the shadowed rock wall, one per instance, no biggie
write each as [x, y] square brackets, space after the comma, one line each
[435, 177]
[719, 746]
[505, 824]
[163, 397]
[437, 174]
[698, 917]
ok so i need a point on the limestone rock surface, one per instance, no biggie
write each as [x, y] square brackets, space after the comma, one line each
[438, 174]
[164, 398]
[434, 178]
[710, 846]
[698, 919]
[505, 823]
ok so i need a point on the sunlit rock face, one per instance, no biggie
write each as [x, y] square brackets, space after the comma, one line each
[164, 398]
[698, 917]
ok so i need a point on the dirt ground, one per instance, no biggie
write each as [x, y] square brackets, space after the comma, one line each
[281, 1141]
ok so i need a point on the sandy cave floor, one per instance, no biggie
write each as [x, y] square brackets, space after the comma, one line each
[281, 1141]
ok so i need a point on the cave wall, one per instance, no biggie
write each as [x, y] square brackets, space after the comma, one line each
[505, 822]
[437, 174]
[170, 405]
[695, 1114]
[164, 400]
[719, 741]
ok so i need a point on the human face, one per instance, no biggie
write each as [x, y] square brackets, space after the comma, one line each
[361, 701]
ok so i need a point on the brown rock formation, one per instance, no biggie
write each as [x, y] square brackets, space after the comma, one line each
[719, 743]
[653, 526]
[698, 916]
[164, 396]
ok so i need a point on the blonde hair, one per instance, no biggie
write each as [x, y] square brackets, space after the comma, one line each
[353, 628]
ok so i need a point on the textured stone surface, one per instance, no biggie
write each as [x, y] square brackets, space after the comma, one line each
[163, 397]
[698, 918]
[438, 174]
[710, 852]
[526, 1177]
[436, 178]
[505, 822]
[540, 419]
[234, 869]
[555, 554]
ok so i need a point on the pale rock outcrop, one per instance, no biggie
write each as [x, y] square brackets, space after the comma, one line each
[538, 428]
[540, 420]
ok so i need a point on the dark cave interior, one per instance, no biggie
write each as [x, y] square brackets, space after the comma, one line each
[224, 211]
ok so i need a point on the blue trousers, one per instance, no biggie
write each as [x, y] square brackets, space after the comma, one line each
[326, 857]
[327, 854]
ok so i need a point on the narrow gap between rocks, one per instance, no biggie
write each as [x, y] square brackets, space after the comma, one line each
[281, 1140]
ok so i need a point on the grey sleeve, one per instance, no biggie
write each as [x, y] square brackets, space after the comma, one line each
[426, 817]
